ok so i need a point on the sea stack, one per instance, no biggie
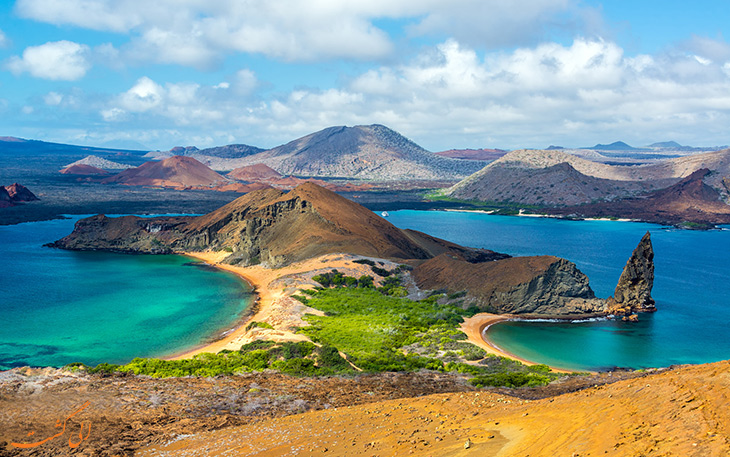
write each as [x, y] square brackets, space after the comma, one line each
[633, 291]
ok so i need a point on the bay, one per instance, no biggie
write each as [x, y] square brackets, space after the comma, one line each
[691, 288]
[62, 306]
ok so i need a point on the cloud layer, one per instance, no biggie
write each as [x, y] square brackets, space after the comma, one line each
[467, 73]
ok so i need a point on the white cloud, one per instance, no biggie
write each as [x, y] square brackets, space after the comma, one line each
[452, 96]
[53, 99]
[199, 33]
[58, 60]
[182, 104]
[4, 41]
[143, 96]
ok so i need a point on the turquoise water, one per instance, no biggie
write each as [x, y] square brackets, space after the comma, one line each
[61, 306]
[692, 288]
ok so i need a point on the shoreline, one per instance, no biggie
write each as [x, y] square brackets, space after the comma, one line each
[477, 328]
[268, 297]
[272, 304]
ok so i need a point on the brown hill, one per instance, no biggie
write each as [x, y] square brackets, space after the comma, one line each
[688, 200]
[473, 154]
[177, 171]
[83, 169]
[254, 173]
[5, 201]
[271, 227]
[372, 152]
[19, 193]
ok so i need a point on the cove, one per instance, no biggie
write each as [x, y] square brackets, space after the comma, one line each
[691, 288]
[61, 306]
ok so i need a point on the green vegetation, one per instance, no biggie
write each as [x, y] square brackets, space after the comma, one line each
[254, 324]
[381, 331]
[295, 358]
[378, 330]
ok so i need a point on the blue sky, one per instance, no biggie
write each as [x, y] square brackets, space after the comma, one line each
[457, 74]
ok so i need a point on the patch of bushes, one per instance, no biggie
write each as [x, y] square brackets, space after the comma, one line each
[295, 358]
[510, 379]
[255, 324]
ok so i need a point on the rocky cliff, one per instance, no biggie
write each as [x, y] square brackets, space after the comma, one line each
[633, 291]
[543, 285]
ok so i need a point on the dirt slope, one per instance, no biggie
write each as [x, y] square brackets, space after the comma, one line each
[679, 412]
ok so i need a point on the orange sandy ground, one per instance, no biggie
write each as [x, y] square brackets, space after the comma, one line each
[680, 413]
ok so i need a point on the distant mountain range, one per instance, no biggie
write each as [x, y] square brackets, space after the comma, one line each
[556, 178]
[369, 152]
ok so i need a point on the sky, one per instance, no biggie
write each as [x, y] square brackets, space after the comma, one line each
[446, 74]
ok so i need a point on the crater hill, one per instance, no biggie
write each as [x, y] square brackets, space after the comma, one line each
[371, 152]
[274, 228]
[177, 171]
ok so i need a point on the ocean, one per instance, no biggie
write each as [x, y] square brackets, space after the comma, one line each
[59, 306]
[691, 288]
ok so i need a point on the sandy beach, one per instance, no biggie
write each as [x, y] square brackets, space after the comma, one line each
[274, 306]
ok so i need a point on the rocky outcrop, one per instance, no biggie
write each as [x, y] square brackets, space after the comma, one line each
[633, 292]
[19, 193]
[544, 285]
[15, 193]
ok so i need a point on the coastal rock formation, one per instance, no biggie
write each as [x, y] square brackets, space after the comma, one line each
[270, 227]
[633, 292]
[177, 171]
[275, 228]
[544, 285]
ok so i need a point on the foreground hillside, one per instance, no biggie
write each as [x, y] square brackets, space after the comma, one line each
[681, 412]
